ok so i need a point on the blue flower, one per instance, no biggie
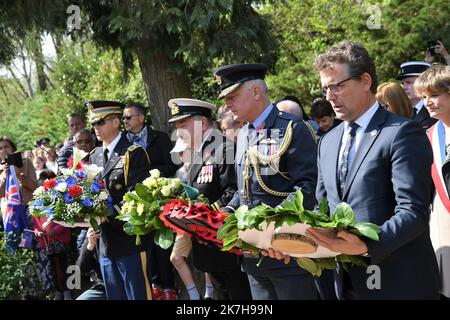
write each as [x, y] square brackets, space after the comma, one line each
[109, 203]
[54, 196]
[37, 205]
[68, 198]
[95, 187]
[71, 181]
[80, 174]
[87, 202]
[49, 213]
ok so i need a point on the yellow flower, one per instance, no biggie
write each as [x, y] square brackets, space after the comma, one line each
[140, 209]
[155, 173]
[165, 191]
[175, 183]
[149, 182]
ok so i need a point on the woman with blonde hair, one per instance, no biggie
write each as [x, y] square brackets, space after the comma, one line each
[434, 87]
[392, 96]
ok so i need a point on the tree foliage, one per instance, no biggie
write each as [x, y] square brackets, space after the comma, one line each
[307, 28]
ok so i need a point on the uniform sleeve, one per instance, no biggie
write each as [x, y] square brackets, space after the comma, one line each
[138, 167]
[301, 163]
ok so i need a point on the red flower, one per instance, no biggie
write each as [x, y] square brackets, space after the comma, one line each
[101, 183]
[79, 165]
[75, 191]
[49, 183]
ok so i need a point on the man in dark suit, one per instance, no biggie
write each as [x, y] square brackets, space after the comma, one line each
[291, 146]
[122, 262]
[158, 146]
[211, 171]
[409, 72]
[379, 164]
[75, 122]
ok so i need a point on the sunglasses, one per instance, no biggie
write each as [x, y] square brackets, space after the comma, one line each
[102, 121]
[129, 117]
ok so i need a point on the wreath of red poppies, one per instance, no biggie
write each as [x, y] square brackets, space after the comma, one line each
[194, 219]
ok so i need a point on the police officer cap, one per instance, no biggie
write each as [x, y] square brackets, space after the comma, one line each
[99, 109]
[183, 108]
[412, 69]
[231, 76]
[42, 141]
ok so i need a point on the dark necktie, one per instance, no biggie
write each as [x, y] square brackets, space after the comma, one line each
[105, 156]
[414, 113]
[344, 167]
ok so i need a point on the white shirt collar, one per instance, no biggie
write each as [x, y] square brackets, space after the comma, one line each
[364, 120]
[263, 116]
[112, 145]
[419, 105]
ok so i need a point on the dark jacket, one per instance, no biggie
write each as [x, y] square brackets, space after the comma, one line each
[219, 192]
[114, 242]
[158, 150]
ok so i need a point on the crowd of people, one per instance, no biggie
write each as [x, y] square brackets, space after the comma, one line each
[382, 148]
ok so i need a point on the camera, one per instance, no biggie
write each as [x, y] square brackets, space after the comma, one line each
[14, 159]
[42, 141]
[431, 46]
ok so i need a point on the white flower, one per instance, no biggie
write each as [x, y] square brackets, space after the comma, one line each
[78, 155]
[67, 171]
[61, 187]
[165, 191]
[155, 173]
[38, 191]
[91, 171]
[149, 182]
[175, 183]
[103, 196]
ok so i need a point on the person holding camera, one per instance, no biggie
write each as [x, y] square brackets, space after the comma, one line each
[436, 47]
[19, 172]
[25, 172]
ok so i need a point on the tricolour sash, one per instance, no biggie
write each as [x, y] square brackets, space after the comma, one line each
[436, 135]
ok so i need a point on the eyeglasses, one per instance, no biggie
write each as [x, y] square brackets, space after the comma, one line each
[335, 87]
[103, 121]
[129, 117]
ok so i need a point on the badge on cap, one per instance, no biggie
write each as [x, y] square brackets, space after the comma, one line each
[219, 80]
[175, 110]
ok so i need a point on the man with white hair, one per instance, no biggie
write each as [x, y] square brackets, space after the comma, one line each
[287, 140]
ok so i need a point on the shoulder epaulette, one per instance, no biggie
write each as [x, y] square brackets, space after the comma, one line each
[288, 116]
[134, 147]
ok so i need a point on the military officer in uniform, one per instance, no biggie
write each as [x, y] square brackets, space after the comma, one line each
[276, 153]
[211, 171]
[158, 145]
[122, 262]
[409, 72]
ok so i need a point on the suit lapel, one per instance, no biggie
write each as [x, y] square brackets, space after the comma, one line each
[333, 152]
[115, 155]
[369, 136]
[151, 136]
[422, 115]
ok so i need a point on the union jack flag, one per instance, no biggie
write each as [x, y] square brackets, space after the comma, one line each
[14, 217]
